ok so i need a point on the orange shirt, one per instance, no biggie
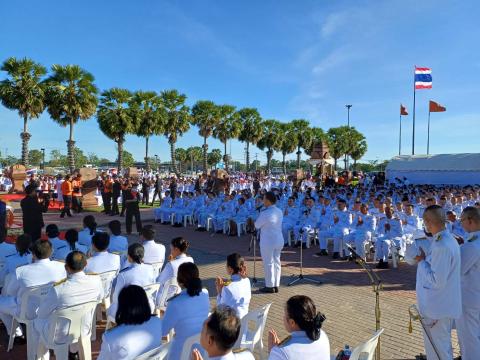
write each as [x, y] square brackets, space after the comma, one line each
[77, 184]
[67, 188]
[108, 186]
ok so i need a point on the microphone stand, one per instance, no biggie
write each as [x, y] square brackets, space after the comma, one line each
[300, 277]
[253, 242]
[376, 286]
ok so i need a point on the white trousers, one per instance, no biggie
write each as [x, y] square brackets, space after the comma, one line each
[358, 238]
[468, 331]
[337, 233]
[441, 334]
[271, 264]
[8, 309]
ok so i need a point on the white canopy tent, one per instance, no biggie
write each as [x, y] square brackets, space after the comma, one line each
[458, 169]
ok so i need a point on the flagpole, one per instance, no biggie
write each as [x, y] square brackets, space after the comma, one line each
[400, 135]
[428, 132]
[413, 120]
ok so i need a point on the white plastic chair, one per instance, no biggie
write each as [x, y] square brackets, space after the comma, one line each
[189, 345]
[106, 278]
[159, 353]
[366, 350]
[29, 301]
[75, 317]
[170, 288]
[157, 266]
[253, 339]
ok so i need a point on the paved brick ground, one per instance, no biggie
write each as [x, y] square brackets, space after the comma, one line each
[345, 295]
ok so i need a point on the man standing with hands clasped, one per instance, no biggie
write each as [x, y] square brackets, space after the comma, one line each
[438, 285]
[269, 225]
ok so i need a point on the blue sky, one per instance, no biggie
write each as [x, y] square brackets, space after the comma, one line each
[290, 59]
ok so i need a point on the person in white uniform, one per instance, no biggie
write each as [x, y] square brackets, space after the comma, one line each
[178, 256]
[70, 244]
[137, 273]
[89, 228]
[137, 331]
[77, 288]
[52, 233]
[186, 311]
[154, 252]
[438, 286]
[468, 326]
[237, 292]
[101, 260]
[269, 225]
[219, 333]
[41, 271]
[118, 243]
[22, 257]
[307, 340]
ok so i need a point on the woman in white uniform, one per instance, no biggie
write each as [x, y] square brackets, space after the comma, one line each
[237, 292]
[89, 228]
[137, 331]
[307, 340]
[71, 243]
[20, 258]
[186, 311]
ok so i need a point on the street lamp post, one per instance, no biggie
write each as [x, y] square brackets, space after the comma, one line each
[348, 125]
[43, 158]
[156, 162]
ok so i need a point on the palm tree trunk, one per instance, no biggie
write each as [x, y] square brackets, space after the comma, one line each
[120, 155]
[269, 159]
[284, 164]
[191, 163]
[147, 162]
[70, 149]
[248, 156]
[335, 164]
[205, 149]
[172, 154]
[298, 157]
[25, 136]
[225, 156]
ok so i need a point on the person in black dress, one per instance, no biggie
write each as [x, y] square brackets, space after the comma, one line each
[32, 213]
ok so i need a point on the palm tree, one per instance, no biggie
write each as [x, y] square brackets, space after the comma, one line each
[182, 156]
[337, 142]
[304, 136]
[150, 117]
[251, 129]
[288, 145]
[271, 139]
[205, 115]
[177, 119]
[71, 95]
[23, 91]
[115, 118]
[228, 128]
[358, 146]
[194, 153]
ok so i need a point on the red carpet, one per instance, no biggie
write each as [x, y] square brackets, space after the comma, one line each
[18, 197]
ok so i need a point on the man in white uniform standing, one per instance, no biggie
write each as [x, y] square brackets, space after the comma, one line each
[269, 225]
[438, 285]
[468, 326]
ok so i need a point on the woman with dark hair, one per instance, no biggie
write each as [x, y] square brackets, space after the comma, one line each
[236, 292]
[71, 244]
[178, 256]
[137, 331]
[186, 311]
[23, 256]
[89, 228]
[307, 340]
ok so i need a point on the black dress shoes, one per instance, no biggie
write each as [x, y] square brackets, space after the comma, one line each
[267, 290]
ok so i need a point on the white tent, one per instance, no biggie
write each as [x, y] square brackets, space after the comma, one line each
[459, 169]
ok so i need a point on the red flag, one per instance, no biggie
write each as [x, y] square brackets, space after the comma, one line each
[436, 107]
[403, 110]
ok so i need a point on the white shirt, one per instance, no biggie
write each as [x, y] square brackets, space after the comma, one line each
[242, 355]
[470, 271]
[62, 251]
[12, 262]
[171, 268]
[85, 238]
[154, 252]
[237, 295]
[102, 262]
[299, 346]
[118, 243]
[129, 341]
[269, 222]
[56, 244]
[186, 315]
[438, 279]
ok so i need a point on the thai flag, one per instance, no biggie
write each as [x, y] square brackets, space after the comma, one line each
[423, 78]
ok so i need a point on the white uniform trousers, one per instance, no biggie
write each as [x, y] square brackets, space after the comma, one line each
[441, 334]
[271, 264]
[358, 238]
[287, 226]
[337, 233]
[383, 245]
[8, 308]
[468, 331]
